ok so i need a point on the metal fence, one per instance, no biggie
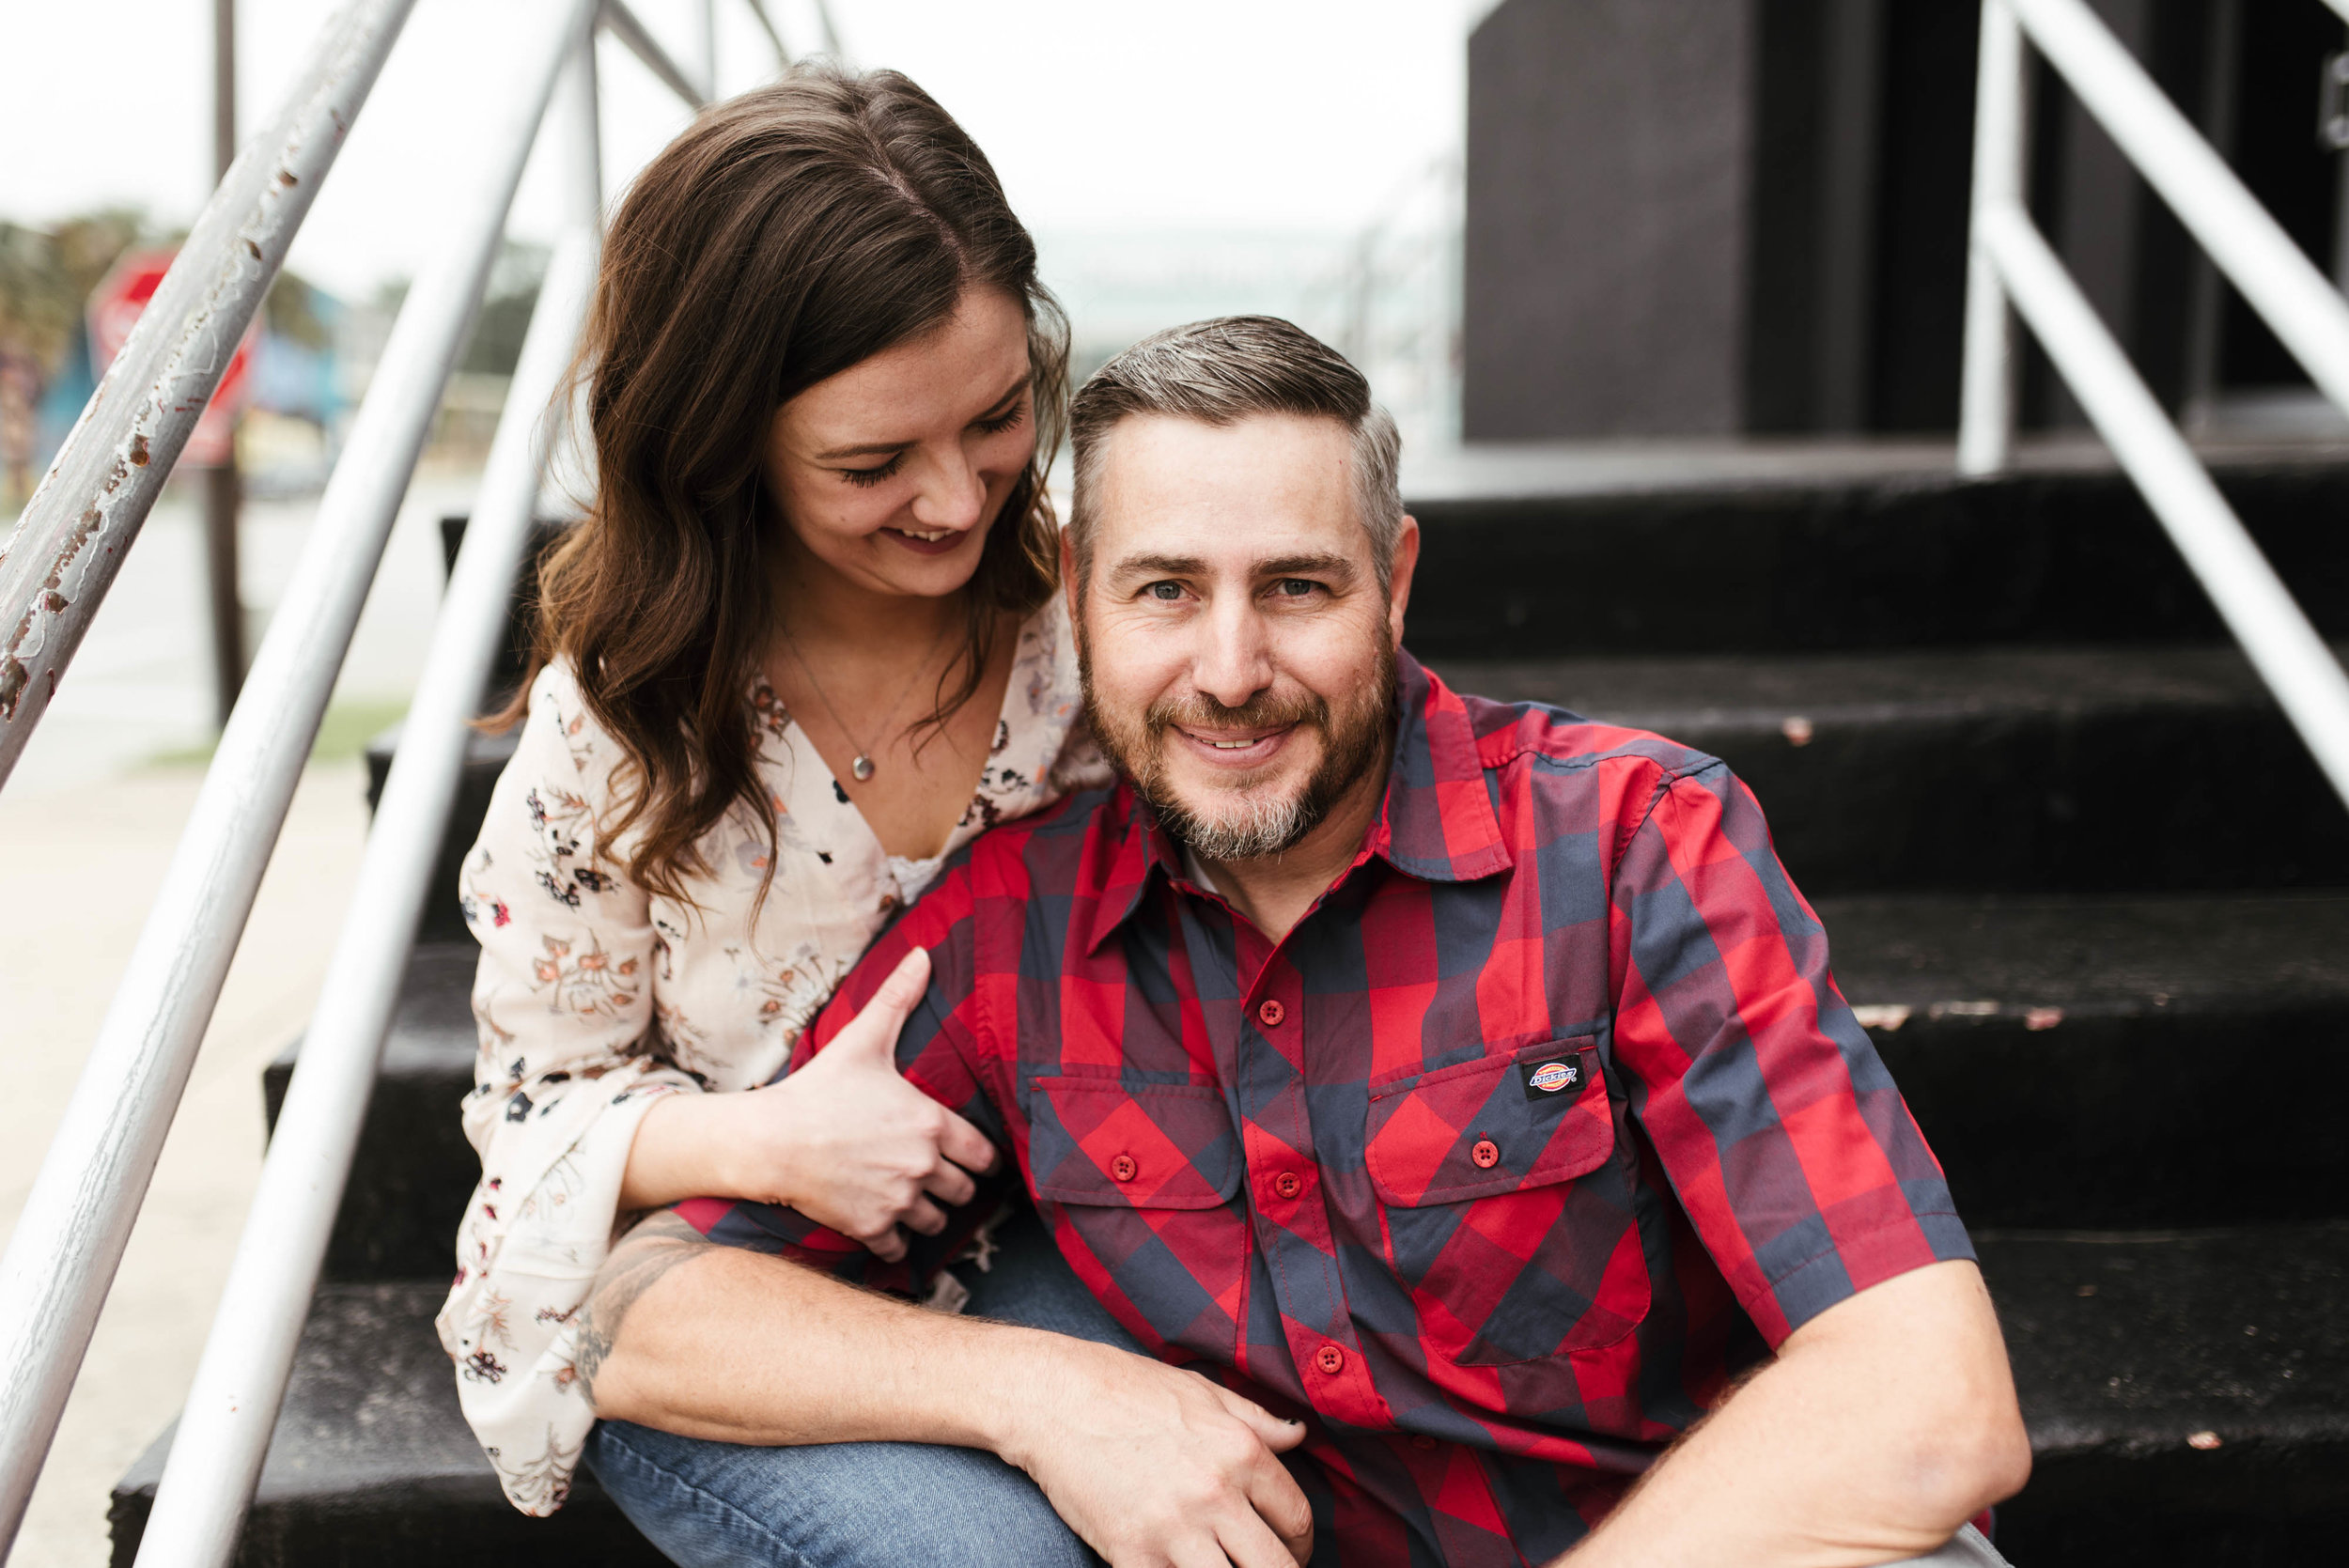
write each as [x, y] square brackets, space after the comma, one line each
[54, 572]
[2012, 265]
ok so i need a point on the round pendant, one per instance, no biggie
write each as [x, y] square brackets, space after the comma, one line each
[862, 768]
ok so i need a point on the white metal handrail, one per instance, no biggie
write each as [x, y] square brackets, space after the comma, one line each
[2010, 263]
[70, 1237]
[239, 1382]
[623, 24]
[68, 546]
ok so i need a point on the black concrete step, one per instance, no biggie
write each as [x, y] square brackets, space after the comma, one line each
[2188, 1395]
[486, 756]
[1803, 555]
[2171, 1059]
[2154, 1060]
[2133, 1353]
[372, 1465]
[2080, 768]
[414, 1169]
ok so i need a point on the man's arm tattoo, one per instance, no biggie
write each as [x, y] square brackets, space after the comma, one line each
[650, 1250]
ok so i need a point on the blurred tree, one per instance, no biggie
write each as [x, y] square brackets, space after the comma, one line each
[496, 342]
[46, 276]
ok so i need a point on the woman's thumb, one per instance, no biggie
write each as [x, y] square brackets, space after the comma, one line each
[894, 1000]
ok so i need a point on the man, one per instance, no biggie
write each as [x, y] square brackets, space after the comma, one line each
[1451, 1099]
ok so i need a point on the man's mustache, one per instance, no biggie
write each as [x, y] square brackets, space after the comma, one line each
[1266, 710]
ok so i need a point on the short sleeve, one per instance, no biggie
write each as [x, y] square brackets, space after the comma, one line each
[1775, 1122]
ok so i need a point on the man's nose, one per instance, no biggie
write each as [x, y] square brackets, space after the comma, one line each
[1233, 660]
[952, 493]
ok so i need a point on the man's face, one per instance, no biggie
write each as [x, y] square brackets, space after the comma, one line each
[1238, 653]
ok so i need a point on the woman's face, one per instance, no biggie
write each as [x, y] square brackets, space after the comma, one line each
[892, 472]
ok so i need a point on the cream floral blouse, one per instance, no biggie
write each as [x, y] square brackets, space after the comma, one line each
[595, 998]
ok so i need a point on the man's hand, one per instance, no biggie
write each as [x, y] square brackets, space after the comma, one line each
[844, 1140]
[1153, 1465]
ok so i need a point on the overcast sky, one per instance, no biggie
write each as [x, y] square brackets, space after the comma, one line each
[1100, 114]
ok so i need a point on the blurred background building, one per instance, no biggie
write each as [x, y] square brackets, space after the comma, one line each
[1720, 218]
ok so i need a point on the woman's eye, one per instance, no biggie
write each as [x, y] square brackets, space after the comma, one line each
[1165, 591]
[873, 475]
[1002, 421]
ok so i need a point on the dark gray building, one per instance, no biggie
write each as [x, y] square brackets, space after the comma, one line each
[1723, 217]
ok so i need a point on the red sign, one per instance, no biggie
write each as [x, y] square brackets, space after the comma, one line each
[115, 305]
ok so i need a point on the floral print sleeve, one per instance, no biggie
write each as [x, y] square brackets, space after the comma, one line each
[570, 1062]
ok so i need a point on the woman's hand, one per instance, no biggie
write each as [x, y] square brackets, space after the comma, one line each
[844, 1140]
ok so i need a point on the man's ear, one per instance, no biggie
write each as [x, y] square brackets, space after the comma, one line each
[1399, 575]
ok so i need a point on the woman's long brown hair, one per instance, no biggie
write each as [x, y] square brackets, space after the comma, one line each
[789, 233]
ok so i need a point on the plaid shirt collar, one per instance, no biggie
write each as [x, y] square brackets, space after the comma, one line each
[1437, 823]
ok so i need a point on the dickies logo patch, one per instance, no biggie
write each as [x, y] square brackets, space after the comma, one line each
[1550, 1076]
[1552, 1080]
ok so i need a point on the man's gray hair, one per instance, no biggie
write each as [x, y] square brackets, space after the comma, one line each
[1225, 370]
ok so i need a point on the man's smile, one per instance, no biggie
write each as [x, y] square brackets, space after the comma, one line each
[1235, 749]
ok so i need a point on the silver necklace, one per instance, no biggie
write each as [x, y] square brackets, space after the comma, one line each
[861, 766]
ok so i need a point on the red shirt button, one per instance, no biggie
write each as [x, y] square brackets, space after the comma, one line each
[1272, 1012]
[1486, 1154]
[1420, 1440]
[1123, 1168]
[1287, 1184]
[1330, 1359]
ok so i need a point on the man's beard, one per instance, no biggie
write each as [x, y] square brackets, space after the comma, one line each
[1250, 820]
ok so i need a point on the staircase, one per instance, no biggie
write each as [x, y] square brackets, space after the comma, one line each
[2084, 886]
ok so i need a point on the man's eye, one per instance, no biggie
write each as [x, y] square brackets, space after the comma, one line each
[1165, 590]
[1296, 588]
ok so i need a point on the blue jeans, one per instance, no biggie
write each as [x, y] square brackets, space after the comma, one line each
[884, 1505]
[850, 1505]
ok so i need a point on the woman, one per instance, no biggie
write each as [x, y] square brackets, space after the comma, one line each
[805, 645]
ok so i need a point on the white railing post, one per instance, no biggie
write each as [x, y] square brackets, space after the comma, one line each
[54, 571]
[2286, 650]
[774, 38]
[575, 126]
[627, 27]
[1986, 428]
[705, 46]
[2292, 294]
[70, 1237]
[232, 1407]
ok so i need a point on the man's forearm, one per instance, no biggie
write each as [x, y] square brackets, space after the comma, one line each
[1882, 1427]
[713, 1342]
[1145, 1461]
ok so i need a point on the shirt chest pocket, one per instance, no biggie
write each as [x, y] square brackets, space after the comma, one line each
[1142, 1179]
[1502, 1210]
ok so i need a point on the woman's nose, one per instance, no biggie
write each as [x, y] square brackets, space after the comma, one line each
[952, 493]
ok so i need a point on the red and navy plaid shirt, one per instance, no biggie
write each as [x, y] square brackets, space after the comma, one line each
[1543, 1121]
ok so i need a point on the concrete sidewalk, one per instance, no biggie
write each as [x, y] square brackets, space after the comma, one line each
[78, 871]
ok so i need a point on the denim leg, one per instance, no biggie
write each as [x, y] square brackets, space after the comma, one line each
[1966, 1549]
[864, 1505]
[834, 1505]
